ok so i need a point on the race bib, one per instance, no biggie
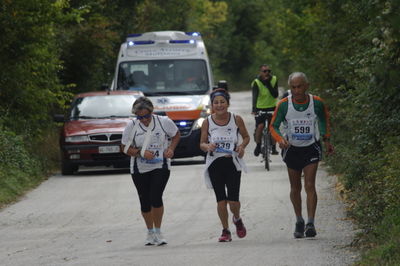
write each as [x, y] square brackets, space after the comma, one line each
[301, 129]
[224, 144]
[158, 152]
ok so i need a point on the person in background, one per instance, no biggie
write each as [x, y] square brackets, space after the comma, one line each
[264, 98]
[145, 139]
[220, 139]
[306, 118]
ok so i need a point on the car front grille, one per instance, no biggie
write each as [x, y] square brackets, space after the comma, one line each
[106, 137]
[184, 126]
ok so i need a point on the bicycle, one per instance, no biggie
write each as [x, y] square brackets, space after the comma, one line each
[266, 141]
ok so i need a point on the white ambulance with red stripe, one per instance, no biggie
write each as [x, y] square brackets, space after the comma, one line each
[172, 69]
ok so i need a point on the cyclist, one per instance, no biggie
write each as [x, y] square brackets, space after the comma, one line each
[265, 95]
[306, 117]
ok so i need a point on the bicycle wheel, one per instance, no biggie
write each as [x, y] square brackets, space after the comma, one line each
[266, 150]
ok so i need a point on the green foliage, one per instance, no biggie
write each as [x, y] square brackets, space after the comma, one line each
[29, 62]
[19, 170]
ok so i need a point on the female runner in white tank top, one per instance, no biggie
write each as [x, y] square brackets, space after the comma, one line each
[220, 139]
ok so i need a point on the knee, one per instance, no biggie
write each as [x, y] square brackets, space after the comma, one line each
[222, 204]
[295, 189]
[260, 126]
[310, 188]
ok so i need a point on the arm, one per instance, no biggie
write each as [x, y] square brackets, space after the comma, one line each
[254, 89]
[245, 136]
[169, 152]
[277, 118]
[273, 90]
[322, 111]
[204, 145]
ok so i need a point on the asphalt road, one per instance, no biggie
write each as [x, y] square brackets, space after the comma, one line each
[93, 219]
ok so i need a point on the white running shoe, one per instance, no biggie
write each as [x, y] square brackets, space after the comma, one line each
[159, 239]
[150, 239]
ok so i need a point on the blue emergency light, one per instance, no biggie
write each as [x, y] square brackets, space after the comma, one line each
[182, 41]
[193, 33]
[132, 43]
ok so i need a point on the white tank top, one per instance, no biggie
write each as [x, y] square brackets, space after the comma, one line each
[302, 128]
[162, 129]
[225, 137]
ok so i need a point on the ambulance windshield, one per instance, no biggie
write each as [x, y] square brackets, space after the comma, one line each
[164, 77]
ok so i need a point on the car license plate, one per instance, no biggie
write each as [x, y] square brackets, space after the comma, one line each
[109, 149]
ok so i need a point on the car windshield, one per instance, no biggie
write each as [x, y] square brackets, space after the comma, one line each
[164, 77]
[102, 106]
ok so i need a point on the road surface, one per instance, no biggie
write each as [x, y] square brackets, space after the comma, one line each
[93, 218]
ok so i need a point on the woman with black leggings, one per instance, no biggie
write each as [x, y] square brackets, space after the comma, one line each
[145, 139]
[219, 138]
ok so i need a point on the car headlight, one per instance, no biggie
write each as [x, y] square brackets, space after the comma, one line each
[83, 138]
[197, 124]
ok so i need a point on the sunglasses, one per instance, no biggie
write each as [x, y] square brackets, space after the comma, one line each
[140, 117]
[267, 70]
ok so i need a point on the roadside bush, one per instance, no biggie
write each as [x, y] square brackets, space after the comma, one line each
[19, 168]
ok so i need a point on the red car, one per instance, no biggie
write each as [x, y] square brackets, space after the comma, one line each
[92, 132]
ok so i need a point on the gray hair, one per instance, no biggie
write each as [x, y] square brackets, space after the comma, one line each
[297, 75]
[142, 103]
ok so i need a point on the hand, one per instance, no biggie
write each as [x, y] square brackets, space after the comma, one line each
[168, 153]
[329, 148]
[211, 147]
[283, 143]
[148, 155]
[240, 150]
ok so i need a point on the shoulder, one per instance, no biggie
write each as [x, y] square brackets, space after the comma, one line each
[283, 101]
[318, 101]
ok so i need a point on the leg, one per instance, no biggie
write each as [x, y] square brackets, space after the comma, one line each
[258, 133]
[234, 206]
[159, 180]
[295, 190]
[310, 172]
[142, 185]
[222, 210]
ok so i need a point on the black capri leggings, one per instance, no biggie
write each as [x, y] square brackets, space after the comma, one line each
[223, 174]
[150, 187]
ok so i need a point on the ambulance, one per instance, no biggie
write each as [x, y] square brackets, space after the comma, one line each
[173, 70]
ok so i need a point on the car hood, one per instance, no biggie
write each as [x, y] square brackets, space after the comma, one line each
[179, 103]
[94, 126]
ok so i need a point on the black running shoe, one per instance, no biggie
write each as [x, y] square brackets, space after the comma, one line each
[274, 152]
[299, 230]
[257, 150]
[310, 230]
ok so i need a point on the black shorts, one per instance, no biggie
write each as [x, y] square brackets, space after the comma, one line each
[260, 119]
[225, 179]
[299, 157]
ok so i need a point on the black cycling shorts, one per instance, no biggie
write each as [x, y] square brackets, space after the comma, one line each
[260, 119]
[299, 157]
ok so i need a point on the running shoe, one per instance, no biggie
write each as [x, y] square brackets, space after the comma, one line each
[310, 230]
[257, 150]
[299, 231]
[159, 239]
[150, 239]
[274, 151]
[240, 229]
[226, 236]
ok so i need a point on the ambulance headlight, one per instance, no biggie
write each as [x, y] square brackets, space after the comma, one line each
[198, 123]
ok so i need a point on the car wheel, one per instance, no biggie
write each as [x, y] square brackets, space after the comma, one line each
[68, 168]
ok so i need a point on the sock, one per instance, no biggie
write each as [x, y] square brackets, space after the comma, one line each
[235, 220]
[310, 220]
[150, 230]
[299, 219]
[157, 230]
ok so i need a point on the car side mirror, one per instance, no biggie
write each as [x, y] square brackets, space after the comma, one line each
[104, 87]
[59, 118]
